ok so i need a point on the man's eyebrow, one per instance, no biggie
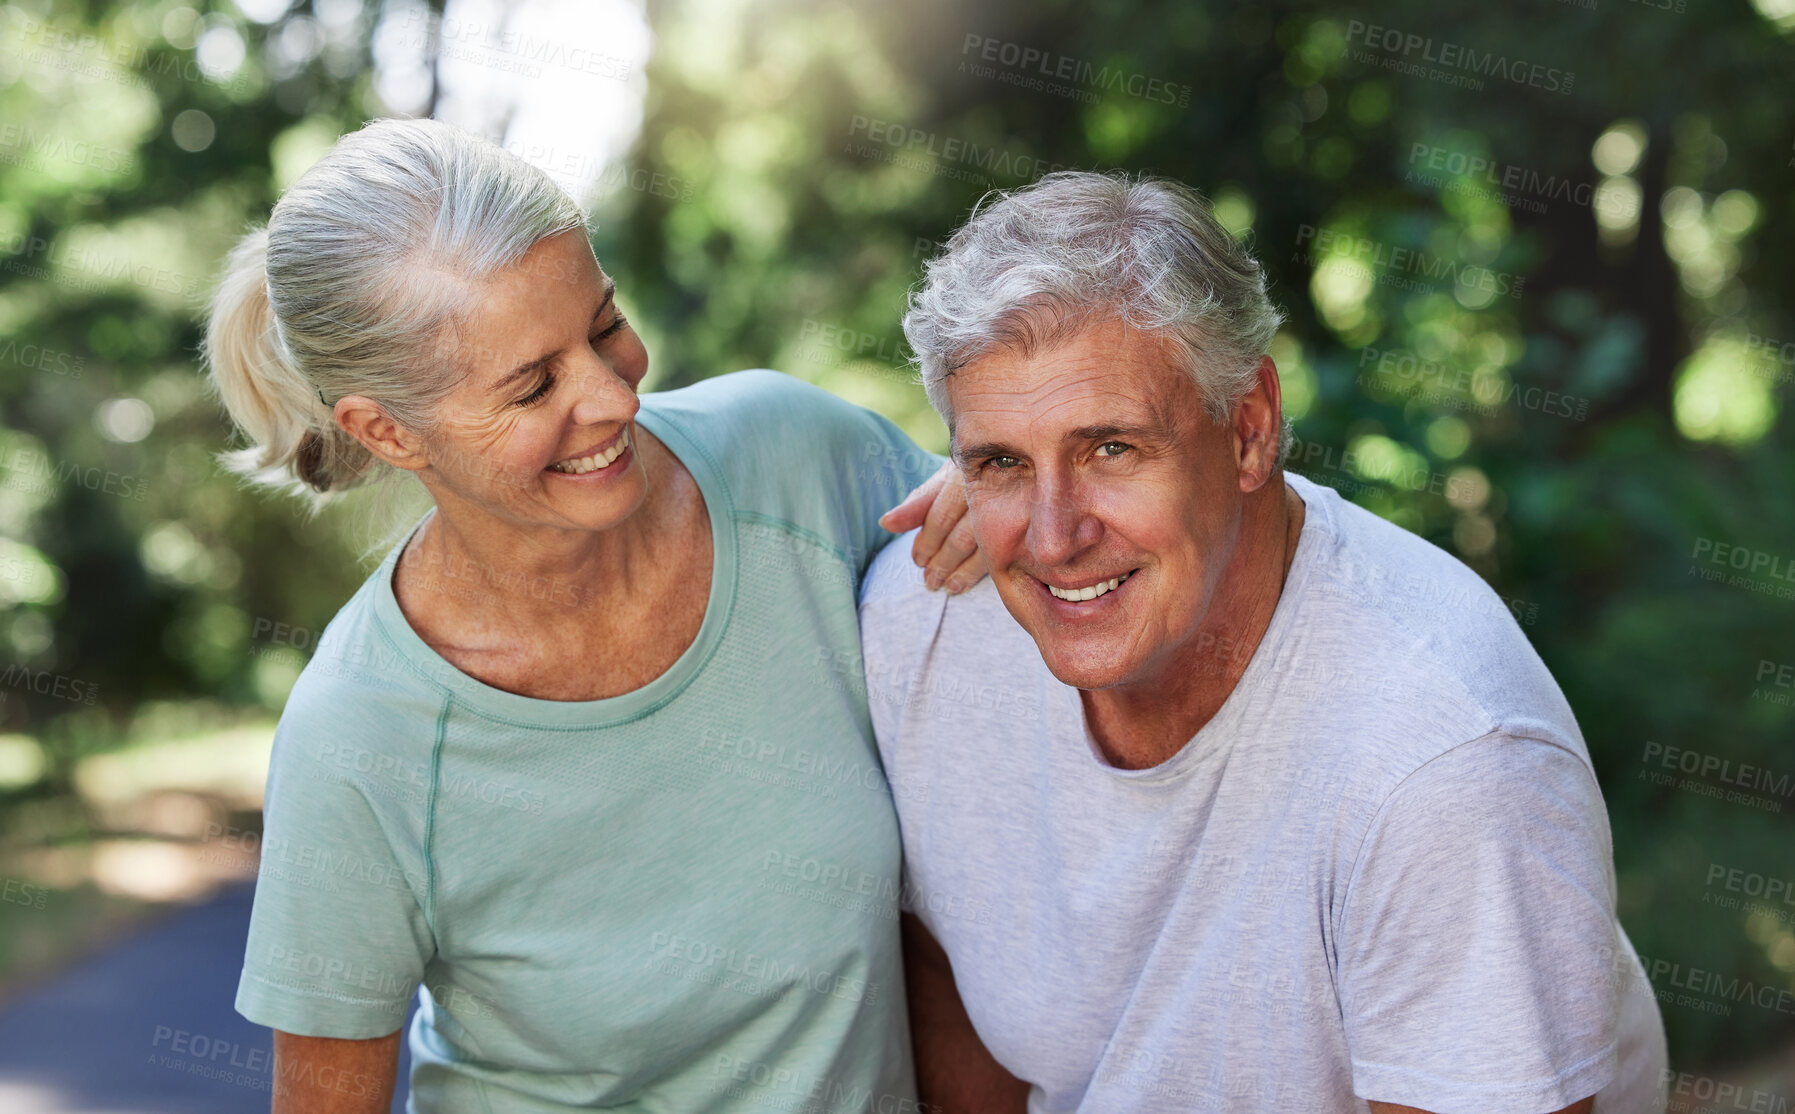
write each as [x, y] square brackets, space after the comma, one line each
[1113, 432]
[524, 369]
[984, 450]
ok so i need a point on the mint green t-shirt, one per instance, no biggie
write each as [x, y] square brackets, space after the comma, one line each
[681, 899]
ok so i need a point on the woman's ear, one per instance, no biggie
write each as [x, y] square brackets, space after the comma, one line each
[363, 419]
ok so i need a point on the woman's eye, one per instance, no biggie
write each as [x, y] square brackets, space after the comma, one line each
[539, 393]
[1111, 448]
[618, 323]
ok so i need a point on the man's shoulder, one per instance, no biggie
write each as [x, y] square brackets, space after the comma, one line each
[894, 590]
[1412, 627]
[945, 657]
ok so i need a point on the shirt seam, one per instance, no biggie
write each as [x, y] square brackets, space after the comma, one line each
[760, 518]
[436, 764]
[1352, 877]
[1570, 1072]
[346, 999]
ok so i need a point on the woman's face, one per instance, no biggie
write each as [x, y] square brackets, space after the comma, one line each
[540, 429]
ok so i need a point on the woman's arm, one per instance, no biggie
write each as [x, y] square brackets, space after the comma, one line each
[325, 1075]
[945, 547]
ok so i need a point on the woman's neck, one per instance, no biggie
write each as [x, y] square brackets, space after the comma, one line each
[537, 573]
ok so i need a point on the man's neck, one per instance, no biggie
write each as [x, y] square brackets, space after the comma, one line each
[1145, 721]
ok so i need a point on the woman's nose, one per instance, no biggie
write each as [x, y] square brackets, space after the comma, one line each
[601, 394]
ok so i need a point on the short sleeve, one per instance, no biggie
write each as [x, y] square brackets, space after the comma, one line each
[886, 466]
[338, 939]
[795, 453]
[1478, 933]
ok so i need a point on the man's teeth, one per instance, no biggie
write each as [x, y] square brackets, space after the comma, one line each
[592, 463]
[1078, 595]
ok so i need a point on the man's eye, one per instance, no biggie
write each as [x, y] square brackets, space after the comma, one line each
[1002, 462]
[1111, 448]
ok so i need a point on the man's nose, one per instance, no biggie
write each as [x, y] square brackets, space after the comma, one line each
[1060, 526]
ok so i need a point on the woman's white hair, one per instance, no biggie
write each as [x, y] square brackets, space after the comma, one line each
[368, 263]
[1036, 264]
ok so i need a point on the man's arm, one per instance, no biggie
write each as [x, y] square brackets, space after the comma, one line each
[1583, 1107]
[955, 1074]
[325, 1075]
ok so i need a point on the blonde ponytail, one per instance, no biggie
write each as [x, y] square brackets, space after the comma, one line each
[296, 444]
[365, 262]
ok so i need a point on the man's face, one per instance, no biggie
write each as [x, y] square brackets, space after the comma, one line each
[1094, 472]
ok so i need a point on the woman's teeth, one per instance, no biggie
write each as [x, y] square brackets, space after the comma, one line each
[591, 463]
[1091, 592]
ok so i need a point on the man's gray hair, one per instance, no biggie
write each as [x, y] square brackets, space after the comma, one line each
[1034, 265]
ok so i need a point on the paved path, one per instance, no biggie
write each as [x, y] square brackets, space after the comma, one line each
[146, 1027]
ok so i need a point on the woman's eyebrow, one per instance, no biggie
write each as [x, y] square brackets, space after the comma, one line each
[524, 369]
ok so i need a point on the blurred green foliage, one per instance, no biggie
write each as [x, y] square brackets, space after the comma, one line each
[1447, 253]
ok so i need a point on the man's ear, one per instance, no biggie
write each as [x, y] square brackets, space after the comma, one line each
[1258, 424]
[363, 419]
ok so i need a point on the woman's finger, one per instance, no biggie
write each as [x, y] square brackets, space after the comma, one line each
[909, 514]
[945, 515]
[971, 571]
[955, 549]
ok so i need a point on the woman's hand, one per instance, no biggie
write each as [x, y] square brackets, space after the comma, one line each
[945, 547]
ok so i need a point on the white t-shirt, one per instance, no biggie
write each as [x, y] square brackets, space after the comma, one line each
[1382, 871]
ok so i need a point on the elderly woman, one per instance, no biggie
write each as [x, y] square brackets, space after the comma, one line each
[588, 755]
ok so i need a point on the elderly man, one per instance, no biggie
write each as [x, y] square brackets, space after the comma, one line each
[1224, 794]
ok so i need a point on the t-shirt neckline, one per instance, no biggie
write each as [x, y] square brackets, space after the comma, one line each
[1318, 527]
[612, 710]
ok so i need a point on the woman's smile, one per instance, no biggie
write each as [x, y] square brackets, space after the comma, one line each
[596, 459]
